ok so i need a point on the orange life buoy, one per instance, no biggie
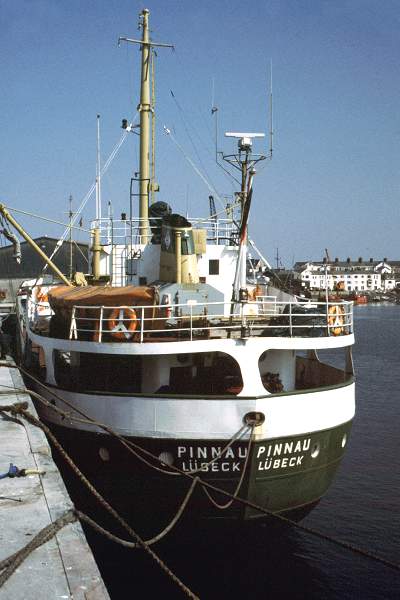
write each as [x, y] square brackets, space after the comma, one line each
[336, 319]
[122, 323]
[41, 295]
[41, 299]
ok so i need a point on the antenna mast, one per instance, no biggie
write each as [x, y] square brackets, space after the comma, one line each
[98, 174]
[70, 214]
[245, 162]
[271, 116]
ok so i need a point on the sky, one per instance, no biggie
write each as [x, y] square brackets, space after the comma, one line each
[334, 179]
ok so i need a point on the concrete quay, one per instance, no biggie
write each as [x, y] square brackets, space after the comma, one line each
[63, 567]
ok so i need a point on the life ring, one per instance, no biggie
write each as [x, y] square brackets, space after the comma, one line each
[41, 299]
[335, 320]
[122, 323]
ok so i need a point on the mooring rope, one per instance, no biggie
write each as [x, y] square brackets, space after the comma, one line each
[210, 486]
[229, 503]
[11, 563]
[135, 449]
[20, 408]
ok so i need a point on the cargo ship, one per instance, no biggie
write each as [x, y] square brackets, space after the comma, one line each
[202, 371]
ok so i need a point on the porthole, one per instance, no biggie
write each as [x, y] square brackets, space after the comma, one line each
[344, 440]
[104, 454]
[182, 358]
[315, 450]
[166, 458]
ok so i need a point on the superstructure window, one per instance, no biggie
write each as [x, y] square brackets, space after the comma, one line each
[211, 373]
[213, 267]
[208, 374]
[87, 372]
[322, 368]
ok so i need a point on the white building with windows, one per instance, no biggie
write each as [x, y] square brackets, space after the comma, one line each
[348, 275]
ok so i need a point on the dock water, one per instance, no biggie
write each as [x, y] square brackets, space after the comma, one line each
[63, 567]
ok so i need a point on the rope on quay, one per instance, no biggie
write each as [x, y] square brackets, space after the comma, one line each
[205, 484]
[20, 408]
[11, 563]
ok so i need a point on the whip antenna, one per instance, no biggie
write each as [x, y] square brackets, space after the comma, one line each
[271, 116]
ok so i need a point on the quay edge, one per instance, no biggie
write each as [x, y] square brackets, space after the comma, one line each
[64, 567]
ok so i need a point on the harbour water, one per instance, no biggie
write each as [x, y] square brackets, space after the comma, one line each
[361, 508]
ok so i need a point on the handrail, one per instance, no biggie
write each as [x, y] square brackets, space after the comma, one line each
[127, 231]
[209, 319]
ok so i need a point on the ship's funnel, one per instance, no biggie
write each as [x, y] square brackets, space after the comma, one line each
[178, 261]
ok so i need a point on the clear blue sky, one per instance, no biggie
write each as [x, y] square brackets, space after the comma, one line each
[334, 179]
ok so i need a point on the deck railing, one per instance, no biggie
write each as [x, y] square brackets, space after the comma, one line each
[129, 232]
[191, 321]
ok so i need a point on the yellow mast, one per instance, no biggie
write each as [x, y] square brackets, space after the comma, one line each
[153, 186]
[146, 181]
[144, 110]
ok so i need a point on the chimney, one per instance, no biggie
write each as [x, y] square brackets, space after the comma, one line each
[360, 259]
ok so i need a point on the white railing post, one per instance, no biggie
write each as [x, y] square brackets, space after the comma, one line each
[72, 330]
[327, 319]
[290, 320]
[101, 323]
[141, 325]
[191, 322]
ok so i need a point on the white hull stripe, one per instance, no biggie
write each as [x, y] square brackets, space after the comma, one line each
[190, 418]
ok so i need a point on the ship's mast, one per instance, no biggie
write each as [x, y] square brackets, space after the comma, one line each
[153, 185]
[144, 109]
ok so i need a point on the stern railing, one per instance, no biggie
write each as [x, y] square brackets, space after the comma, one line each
[191, 321]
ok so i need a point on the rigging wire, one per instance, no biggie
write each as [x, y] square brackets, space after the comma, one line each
[29, 214]
[194, 167]
[84, 201]
[207, 126]
[186, 126]
[78, 248]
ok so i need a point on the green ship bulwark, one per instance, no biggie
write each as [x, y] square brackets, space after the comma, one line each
[291, 474]
[285, 475]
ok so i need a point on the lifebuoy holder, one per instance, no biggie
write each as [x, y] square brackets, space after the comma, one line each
[122, 323]
[335, 320]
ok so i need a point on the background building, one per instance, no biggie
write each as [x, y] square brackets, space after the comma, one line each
[349, 276]
[12, 273]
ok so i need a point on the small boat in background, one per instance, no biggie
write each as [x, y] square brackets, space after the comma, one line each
[359, 298]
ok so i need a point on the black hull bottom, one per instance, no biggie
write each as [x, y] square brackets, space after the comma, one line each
[286, 476]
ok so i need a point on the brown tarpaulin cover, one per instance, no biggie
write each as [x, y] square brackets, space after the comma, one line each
[63, 297]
